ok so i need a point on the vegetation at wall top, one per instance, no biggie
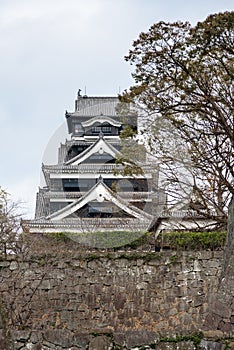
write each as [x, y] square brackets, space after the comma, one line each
[191, 240]
[100, 239]
[182, 240]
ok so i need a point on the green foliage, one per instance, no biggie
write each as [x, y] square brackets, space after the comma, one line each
[138, 240]
[228, 344]
[132, 154]
[127, 132]
[59, 236]
[173, 258]
[101, 239]
[184, 78]
[131, 157]
[144, 239]
[93, 257]
[192, 240]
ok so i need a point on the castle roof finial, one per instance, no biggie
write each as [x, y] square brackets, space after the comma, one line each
[100, 179]
[79, 92]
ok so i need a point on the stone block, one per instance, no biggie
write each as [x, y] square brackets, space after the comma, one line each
[142, 285]
[211, 322]
[4, 264]
[198, 300]
[60, 337]
[154, 262]
[226, 327]
[100, 343]
[183, 345]
[36, 337]
[210, 345]
[214, 264]
[14, 266]
[81, 340]
[46, 284]
[17, 345]
[220, 308]
[37, 346]
[120, 302]
[182, 306]
[197, 266]
[172, 311]
[139, 337]
[20, 335]
[219, 255]
[119, 338]
[213, 334]
[205, 255]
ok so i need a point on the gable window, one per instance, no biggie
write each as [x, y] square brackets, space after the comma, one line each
[104, 129]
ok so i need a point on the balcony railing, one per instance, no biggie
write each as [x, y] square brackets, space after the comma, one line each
[125, 195]
[88, 224]
[86, 168]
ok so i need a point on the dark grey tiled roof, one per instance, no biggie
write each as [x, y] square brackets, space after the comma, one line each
[93, 106]
[90, 107]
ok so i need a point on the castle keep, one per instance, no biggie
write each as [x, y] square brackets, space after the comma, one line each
[87, 188]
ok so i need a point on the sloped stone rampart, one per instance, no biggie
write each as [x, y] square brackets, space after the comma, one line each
[94, 300]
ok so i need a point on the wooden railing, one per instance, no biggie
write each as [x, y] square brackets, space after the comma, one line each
[88, 224]
[86, 168]
[125, 195]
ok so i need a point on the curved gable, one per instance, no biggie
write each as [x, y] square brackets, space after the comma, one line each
[100, 192]
[100, 146]
[101, 119]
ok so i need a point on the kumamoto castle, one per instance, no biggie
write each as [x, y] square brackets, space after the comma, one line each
[89, 189]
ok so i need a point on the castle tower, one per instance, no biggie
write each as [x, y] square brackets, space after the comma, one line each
[87, 188]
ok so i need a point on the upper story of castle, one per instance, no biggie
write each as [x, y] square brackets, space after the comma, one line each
[94, 115]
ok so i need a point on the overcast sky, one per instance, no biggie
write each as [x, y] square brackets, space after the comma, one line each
[50, 49]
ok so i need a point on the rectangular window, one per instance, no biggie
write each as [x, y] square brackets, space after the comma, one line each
[104, 129]
[96, 129]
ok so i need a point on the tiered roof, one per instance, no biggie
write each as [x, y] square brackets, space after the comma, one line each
[100, 145]
[100, 192]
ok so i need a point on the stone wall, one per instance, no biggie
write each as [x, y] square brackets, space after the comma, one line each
[73, 299]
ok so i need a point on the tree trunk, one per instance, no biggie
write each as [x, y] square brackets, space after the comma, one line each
[221, 308]
[4, 340]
